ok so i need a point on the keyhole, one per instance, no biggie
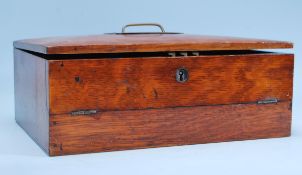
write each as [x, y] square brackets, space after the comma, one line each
[182, 75]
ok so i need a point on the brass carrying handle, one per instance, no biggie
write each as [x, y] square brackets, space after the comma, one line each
[143, 24]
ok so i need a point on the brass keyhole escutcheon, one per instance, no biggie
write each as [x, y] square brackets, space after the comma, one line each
[182, 75]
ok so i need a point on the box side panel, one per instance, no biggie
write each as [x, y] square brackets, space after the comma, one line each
[31, 96]
[120, 130]
[150, 83]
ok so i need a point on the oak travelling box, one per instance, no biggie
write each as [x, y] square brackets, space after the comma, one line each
[124, 90]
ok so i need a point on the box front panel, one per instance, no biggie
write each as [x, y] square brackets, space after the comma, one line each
[120, 130]
[152, 83]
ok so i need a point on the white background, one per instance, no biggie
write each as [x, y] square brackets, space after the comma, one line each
[272, 19]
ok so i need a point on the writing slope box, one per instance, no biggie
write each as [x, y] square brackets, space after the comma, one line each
[124, 91]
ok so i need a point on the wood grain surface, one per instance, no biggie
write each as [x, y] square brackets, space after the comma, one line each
[31, 96]
[139, 103]
[120, 130]
[144, 43]
[141, 83]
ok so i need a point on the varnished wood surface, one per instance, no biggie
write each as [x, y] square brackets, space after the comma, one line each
[120, 130]
[31, 96]
[140, 83]
[144, 43]
[140, 104]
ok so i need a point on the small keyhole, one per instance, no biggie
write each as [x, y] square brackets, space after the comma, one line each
[182, 75]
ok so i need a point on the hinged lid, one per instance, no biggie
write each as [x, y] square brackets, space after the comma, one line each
[143, 42]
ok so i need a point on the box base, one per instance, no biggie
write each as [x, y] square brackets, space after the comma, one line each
[133, 129]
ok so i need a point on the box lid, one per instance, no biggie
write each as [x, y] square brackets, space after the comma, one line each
[143, 42]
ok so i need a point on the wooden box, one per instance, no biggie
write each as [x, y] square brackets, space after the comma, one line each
[138, 90]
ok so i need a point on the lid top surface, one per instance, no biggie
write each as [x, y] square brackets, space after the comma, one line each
[120, 43]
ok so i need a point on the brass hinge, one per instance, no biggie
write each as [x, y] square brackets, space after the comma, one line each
[268, 101]
[84, 112]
